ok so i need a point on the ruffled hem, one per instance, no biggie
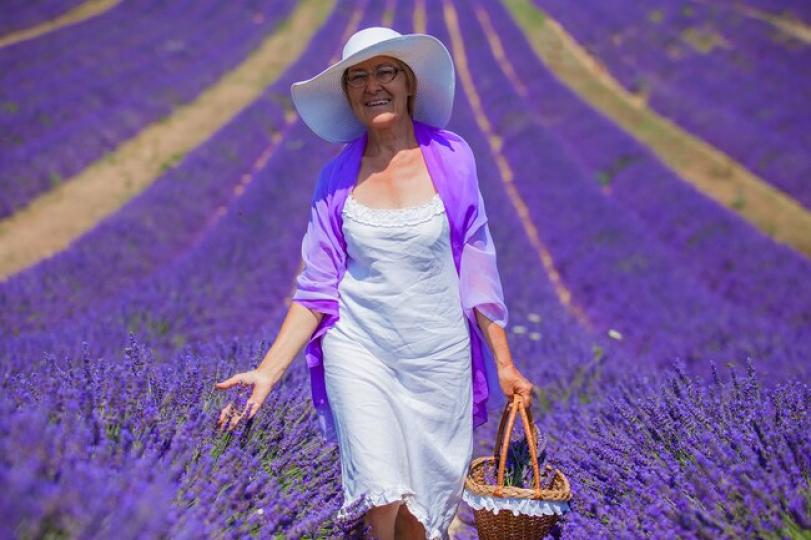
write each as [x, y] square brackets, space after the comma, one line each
[531, 507]
[380, 497]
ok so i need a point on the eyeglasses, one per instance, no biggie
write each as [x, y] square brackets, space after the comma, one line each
[383, 74]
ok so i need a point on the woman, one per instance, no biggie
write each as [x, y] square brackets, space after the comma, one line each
[399, 290]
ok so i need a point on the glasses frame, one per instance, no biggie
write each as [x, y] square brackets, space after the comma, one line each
[397, 70]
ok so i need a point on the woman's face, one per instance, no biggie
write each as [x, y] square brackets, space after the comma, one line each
[377, 104]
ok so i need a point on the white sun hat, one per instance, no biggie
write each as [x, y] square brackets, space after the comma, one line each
[321, 103]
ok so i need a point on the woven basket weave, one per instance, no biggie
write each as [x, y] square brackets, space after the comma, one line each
[505, 525]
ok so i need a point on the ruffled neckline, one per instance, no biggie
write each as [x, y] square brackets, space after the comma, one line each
[392, 217]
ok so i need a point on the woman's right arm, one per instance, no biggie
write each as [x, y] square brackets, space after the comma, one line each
[316, 294]
[297, 327]
[299, 324]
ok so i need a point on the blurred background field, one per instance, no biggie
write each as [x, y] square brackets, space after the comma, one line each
[646, 168]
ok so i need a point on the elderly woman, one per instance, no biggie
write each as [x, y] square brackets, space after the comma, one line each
[399, 290]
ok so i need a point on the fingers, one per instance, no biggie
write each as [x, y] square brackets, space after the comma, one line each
[229, 416]
[249, 408]
[526, 395]
[225, 414]
[229, 382]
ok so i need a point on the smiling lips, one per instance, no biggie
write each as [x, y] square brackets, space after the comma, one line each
[378, 102]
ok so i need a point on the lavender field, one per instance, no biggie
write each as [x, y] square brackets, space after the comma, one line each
[668, 339]
[72, 95]
[736, 81]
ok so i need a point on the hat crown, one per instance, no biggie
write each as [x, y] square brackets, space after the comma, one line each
[366, 38]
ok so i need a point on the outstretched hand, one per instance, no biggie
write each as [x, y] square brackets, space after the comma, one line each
[262, 384]
[512, 382]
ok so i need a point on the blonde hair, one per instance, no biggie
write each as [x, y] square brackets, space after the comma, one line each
[410, 78]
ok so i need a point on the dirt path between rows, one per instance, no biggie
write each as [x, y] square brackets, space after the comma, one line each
[80, 13]
[712, 172]
[53, 220]
[792, 27]
[788, 24]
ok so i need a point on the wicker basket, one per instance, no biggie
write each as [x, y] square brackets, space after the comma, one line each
[505, 525]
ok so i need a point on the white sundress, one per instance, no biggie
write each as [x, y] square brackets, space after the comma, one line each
[397, 365]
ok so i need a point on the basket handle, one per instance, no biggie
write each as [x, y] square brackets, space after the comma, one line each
[526, 416]
[502, 423]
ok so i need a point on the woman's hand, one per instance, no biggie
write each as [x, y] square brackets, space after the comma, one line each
[512, 382]
[297, 327]
[262, 382]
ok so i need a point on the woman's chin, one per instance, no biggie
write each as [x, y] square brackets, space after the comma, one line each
[383, 119]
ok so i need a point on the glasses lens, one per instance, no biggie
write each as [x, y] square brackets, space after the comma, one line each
[386, 74]
[357, 78]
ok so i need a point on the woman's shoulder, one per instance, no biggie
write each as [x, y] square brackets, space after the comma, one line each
[331, 171]
[447, 137]
[454, 146]
[460, 162]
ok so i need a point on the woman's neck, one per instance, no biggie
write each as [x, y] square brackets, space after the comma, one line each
[383, 144]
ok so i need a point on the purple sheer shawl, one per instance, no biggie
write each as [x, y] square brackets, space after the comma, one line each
[452, 168]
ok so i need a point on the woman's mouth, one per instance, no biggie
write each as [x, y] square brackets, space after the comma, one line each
[378, 103]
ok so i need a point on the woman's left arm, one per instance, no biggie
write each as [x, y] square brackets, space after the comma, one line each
[480, 282]
[510, 379]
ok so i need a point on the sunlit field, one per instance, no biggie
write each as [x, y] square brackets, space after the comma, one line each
[646, 168]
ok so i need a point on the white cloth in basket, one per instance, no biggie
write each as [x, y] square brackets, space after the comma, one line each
[397, 365]
[516, 505]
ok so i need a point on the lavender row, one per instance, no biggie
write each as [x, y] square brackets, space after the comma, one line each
[615, 268]
[669, 41]
[165, 221]
[715, 245]
[21, 14]
[74, 94]
[742, 96]
[227, 283]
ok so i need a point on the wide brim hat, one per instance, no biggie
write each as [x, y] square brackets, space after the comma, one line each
[321, 103]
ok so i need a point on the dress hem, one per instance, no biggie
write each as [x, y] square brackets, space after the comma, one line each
[382, 497]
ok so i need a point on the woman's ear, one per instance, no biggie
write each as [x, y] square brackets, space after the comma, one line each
[411, 79]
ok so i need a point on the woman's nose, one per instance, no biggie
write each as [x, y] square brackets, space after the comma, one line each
[372, 84]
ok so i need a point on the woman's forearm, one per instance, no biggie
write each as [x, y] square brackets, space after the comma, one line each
[496, 339]
[299, 324]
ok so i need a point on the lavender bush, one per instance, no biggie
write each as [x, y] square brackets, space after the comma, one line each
[726, 460]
